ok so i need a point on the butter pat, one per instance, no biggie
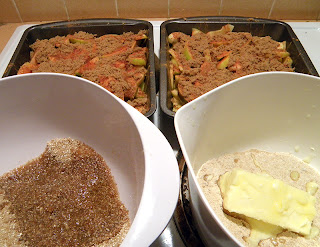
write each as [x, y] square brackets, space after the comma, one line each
[270, 200]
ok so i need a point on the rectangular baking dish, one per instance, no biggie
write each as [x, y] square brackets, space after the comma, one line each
[95, 26]
[277, 30]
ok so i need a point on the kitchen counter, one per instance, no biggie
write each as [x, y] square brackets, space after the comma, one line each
[307, 32]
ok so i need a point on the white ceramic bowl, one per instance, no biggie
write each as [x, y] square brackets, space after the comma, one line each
[272, 111]
[36, 108]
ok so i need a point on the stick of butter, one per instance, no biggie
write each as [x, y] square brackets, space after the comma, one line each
[267, 199]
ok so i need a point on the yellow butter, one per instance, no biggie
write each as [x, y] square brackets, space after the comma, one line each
[260, 231]
[267, 199]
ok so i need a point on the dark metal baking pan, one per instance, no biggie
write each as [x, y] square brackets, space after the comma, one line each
[94, 26]
[277, 30]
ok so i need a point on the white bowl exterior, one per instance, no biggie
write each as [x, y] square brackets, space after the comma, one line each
[161, 188]
[35, 108]
[271, 111]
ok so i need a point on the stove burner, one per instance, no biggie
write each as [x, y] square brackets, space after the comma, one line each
[183, 215]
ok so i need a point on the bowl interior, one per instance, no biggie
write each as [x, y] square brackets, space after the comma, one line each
[272, 111]
[36, 108]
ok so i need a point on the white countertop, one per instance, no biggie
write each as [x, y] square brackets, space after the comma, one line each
[307, 32]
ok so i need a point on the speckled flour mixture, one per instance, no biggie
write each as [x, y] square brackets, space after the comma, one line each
[283, 166]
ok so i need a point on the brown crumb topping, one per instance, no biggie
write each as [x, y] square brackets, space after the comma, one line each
[203, 61]
[116, 62]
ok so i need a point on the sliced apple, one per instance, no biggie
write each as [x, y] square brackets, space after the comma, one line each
[108, 83]
[140, 93]
[80, 41]
[223, 63]
[119, 64]
[140, 36]
[288, 61]
[27, 68]
[223, 54]
[246, 43]
[177, 79]
[218, 43]
[173, 53]
[283, 54]
[90, 65]
[171, 77]
[195, 31]
[175, 93]
[117, 51]
[225, 29]
[282, 45]
[138, 58]
[235, 67]
[139, 78]
[187, 52]
[138, 61]
[174, 62]
[174, 37]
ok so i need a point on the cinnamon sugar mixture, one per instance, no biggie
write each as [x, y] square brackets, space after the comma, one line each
[65, 197]
[116, 62]
[204, 61]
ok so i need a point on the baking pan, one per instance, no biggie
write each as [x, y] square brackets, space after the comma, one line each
[277, 30]
[95, 26]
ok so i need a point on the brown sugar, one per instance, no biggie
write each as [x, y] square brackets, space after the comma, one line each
[115, 62]
[65, 197]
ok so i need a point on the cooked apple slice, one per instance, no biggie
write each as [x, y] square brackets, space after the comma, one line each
[223, 63]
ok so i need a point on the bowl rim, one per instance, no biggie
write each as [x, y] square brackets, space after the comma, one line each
[191, 104]
[143, 230]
